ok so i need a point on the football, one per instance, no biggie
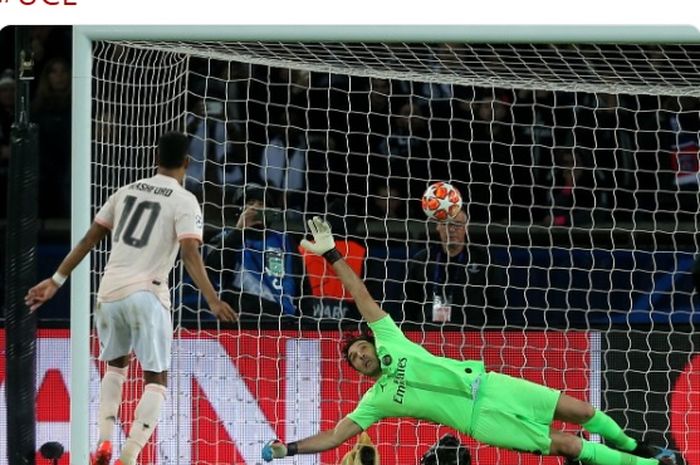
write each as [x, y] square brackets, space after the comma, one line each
[441, 201]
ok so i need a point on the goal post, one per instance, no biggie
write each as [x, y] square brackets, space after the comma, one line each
[167, 38]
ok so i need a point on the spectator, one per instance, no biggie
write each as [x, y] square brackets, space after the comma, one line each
[404, 153]
[678, 175]
[543, 121]
[604, 125]
[52, 112]
[325, 175]
[286, 169]
[48, 42]
[387, 246]
[207, 135]
[572, 194]
[492, 165]
[386, 202]
[454, 281]
[278, 168]
[255, 263]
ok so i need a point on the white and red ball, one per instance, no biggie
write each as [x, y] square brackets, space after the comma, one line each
[441, 201]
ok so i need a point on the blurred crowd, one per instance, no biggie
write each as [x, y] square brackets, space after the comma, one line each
[519, 156]
[49, 107]
[374, 144]
[362, 150]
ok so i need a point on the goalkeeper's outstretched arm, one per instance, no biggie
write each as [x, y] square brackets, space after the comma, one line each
[325, 440]
[324, 245]
[363, 299]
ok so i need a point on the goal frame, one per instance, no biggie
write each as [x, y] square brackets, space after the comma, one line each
[85, 36]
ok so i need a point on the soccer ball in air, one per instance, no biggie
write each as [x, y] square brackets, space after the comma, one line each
[441, 201]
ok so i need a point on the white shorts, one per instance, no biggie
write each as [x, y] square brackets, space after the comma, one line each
[139, 322]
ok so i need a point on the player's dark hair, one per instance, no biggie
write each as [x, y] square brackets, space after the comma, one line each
[172, 150]
[349, 340]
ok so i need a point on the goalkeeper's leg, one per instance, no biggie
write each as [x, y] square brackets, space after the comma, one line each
[574, 447]
[572, 410]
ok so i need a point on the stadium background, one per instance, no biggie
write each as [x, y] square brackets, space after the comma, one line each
[650, 377]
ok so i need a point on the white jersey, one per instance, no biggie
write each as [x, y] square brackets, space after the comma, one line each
[148, 218]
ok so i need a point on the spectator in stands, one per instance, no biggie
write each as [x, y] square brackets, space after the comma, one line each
[234, 79]
[387, 242]
[255, 263]
[51, 110]
[543, 120]
[605, 126]
[284, 165]
[678, 172]
[49, 42]
[208, 144]
[572, 198]
[455, 281]
[279, 167]
[492, 150]
[386, 202]
[7, 116]
[404, 152]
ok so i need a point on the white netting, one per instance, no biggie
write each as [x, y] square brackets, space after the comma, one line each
[579, 165]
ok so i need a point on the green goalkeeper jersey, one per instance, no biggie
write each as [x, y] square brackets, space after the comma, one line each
[415, 383]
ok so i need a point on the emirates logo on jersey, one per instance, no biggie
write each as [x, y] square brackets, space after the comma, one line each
[400, 381]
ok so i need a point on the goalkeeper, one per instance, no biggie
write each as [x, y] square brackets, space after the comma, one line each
[493, 408]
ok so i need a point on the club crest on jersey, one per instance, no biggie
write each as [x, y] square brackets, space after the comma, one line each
[386, 360]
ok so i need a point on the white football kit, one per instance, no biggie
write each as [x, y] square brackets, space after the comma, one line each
[148, 218]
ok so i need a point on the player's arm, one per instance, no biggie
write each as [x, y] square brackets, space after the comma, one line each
[46, 289]
[324, 245]
[325, 440]
[353, 284]
[195, 268]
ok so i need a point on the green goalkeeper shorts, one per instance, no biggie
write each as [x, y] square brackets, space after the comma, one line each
[514, 413]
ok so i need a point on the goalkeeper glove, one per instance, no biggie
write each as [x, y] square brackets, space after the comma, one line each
[323, 238]
[274, 449]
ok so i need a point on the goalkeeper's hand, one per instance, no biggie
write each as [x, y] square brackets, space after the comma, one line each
[323, 237]
[274, 449]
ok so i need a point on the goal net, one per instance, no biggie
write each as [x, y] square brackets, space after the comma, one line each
[578, 165]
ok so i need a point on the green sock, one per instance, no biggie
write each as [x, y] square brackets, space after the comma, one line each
[602, 424]
[600, 454]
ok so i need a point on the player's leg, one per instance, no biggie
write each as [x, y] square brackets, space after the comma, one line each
[152, 337]
[146, 415]
[573, 447]
[110, 400]
[115, 342]
[572, 410]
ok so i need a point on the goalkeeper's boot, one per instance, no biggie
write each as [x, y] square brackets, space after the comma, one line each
[103, 454]
[663, 455]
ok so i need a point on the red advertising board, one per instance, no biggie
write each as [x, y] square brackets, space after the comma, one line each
[232, 391]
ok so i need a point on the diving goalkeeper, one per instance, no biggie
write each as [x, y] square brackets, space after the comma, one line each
[493, 408]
